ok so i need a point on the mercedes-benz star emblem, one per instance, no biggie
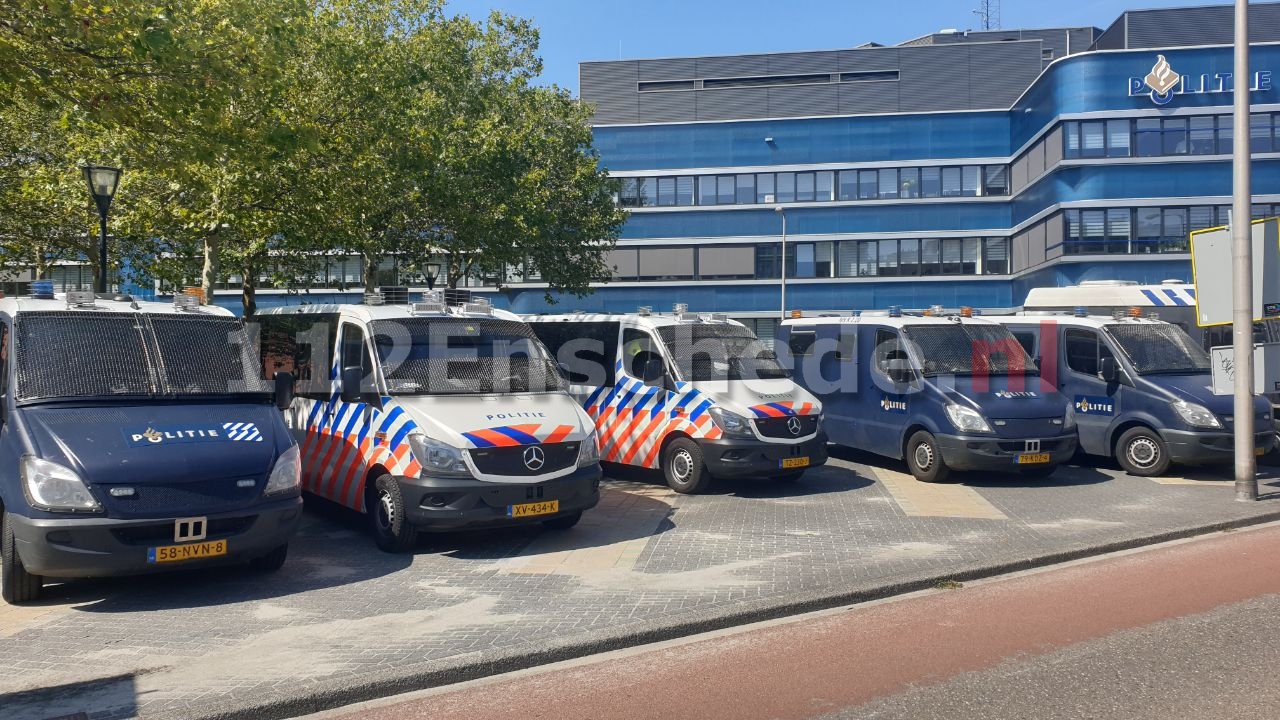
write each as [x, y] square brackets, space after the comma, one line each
[793, 424]
[534, 458]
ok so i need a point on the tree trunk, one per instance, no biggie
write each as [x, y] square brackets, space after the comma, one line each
[209, 277]
[248, 295]
[370, 270]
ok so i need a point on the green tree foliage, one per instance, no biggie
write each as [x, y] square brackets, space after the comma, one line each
[261, 136]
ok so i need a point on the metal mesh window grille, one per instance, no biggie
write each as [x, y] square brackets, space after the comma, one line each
[1155, 347]
[968, 348]
[719, 352]
[64, 354]
[460, 356]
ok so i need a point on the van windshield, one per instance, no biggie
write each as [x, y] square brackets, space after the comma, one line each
[1159, 349]
[720, 352]
[77, 354]
[462, 356]
[969, 349]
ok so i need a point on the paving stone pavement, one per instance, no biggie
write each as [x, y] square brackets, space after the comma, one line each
[342, 615]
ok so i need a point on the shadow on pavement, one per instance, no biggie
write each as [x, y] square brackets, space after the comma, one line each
[1064, 476]
[103, 698]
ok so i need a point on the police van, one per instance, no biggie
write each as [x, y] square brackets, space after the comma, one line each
[137, 437]
[943, 392]
[432, 416]
[1140, 388]
[694, 394]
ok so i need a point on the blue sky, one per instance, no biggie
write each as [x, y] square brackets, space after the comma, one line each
[577, 30]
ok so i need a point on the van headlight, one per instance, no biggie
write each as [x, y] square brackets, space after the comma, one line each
[1069, 421]
[966, 419]
[286, 476]
[438, 458]
[589, 451]
[1195, 415]
[731, 424]
[50, 486]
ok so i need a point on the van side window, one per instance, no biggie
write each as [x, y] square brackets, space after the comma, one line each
[587, 348]
[638, 348]
[1027, 340]
[1084, 351]
[800, 342]
[887, 348]
[4, 358]
[847, 344]
[302, 344]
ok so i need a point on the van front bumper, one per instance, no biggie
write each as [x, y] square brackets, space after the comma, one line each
[1189, 447]
[87, 546]
[442, 504]
[733, 458]
[983, 452]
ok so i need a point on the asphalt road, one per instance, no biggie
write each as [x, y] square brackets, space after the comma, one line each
[1181, 630]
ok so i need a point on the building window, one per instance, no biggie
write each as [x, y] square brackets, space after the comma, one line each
[930, 182]
[684, 190]
[909, 257]
[888, 258]
[725, 190]
[786, 187]
[1202, 136]
[825, 181]
[995, 256]
[848, 184]
[764, 188]
[909, 182]
[707, 190]
[1174, 140]
[804, 187]
[746, 189]
[868, 185]
[1117, 138]
[888, 185]
[1146, 137]
[995, 180]
[1260, 132]
[666, 191]
[951, 182]
[930, 257]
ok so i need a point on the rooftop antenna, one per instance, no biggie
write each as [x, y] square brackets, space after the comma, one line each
[989, 11]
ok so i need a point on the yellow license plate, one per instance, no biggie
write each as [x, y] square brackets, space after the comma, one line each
[789, 463]
[190, 551]
[530, 509]
[1033, 458]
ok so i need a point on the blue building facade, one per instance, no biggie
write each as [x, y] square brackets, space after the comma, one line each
[957, 169]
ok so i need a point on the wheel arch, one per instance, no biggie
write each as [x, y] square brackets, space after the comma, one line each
[366, 484]
[912, 429]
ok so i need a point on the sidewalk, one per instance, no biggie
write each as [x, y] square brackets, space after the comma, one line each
[343, 622]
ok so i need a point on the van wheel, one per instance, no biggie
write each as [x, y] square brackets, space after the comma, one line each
[683, 467]
[924, 459]
[562, 523]
[1142, 452]
[272, 561]
[392, 530]
[16, 584]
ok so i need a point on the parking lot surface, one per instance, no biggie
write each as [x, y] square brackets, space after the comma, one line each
[344, 622]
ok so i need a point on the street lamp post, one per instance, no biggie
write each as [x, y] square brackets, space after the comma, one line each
[778, 209]
[102, 182]
[432, 271]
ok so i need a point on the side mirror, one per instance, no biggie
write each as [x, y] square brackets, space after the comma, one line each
[284, 389]
[1109, 370]
[351, 377]
[654, 371]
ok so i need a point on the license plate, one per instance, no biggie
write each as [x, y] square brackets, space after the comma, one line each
[530, 509]
[190, 551]
[1033, 458]
[789, 463]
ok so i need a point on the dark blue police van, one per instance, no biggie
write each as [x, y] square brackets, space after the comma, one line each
[137, 437]
[941, 392]
[1141, 389]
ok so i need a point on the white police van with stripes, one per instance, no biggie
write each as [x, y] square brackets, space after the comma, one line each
[136, 437]
[432, 416]
[694, 394]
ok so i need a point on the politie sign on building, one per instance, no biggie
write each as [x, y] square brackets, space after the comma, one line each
[1163, 83]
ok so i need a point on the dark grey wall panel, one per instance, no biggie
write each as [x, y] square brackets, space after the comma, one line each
[733, 66]
[1000, 72]
[1176, 27]
[868, 97]
[1113, 37]
[733, 103]
[934, 78]
[802, 63]
[667, 69]
[867, 60]
[611, 87]
[678, 106]
[804, 100]
[1082, 40]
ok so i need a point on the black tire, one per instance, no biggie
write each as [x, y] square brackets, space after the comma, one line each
[683, 467]
[16, 584]
[563, 522]
[788, 477]
[924, 459]
[392, 530]
[1038, 473]
[272, 561]
[1142, 452]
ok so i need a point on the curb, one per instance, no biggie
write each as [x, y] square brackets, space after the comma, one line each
[473, 666]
